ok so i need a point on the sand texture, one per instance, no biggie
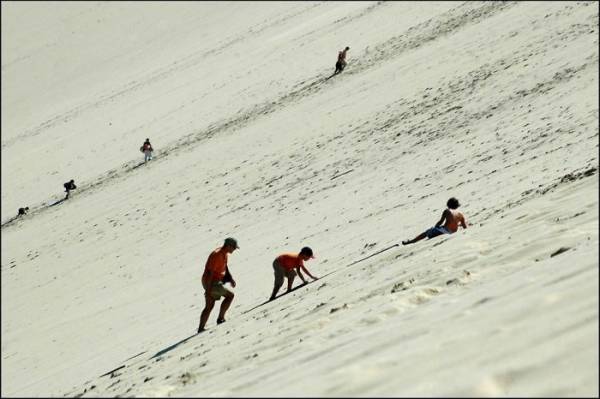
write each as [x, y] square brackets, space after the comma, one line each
[494, 103]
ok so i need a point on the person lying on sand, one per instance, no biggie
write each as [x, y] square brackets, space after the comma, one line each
[215, 275]
[287, 265]
[451, 218]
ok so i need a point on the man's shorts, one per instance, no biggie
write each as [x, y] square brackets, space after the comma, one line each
[281, 272]
[436, 231]
[218, 290]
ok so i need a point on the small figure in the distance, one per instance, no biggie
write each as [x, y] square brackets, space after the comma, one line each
[341, 61]
[23, 211]
[70, 185]
[147, 149]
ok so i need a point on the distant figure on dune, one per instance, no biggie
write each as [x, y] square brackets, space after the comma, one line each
[70, 185]
[341, 61]
[216, 274]
[147, 149]
[451, 218]
[23, 211]
[287, 265]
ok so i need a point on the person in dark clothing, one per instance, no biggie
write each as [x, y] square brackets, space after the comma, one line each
[23, 211]
[70, 185]
[147, 149]
[341, 61]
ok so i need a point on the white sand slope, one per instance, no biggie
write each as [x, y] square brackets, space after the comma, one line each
[495, 103]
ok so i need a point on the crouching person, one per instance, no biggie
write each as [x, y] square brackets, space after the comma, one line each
[288, 265]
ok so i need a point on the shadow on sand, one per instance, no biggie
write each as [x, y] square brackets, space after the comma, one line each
[138, 165]
[170, 348]
[60, 201]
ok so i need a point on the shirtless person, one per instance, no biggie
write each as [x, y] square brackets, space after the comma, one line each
[341, 62]
[453, 219]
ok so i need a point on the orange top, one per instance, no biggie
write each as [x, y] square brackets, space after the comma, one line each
[290, 261]
[216, 263]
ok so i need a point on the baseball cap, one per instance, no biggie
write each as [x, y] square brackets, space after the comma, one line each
[232, 242]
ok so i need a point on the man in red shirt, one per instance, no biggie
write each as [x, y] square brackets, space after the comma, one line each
[287, 265]
[215, 275]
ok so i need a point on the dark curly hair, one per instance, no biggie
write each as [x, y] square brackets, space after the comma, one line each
[453, 203]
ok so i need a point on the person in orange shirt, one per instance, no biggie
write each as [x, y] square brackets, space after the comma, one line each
[451, 218]
[216, 274]
[287, 265]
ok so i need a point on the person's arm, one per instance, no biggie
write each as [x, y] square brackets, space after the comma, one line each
[228, 277]
[463, 221]
[441, 221]
[300, 274]
[308, 273]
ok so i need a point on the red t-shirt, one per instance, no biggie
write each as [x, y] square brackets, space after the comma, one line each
[290, 261]
[217, 264]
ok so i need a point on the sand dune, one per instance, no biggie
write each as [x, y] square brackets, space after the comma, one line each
[495, 103]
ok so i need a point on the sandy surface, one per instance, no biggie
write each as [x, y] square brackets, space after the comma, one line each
[493, 103]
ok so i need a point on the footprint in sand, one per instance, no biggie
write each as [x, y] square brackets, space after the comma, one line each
[424, 295]
[402, 285]
[466, 277]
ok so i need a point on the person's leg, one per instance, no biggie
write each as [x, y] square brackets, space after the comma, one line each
[210, 303]
[290, 276]
[278, 273]
[224, 306]
[417, 238]
[344, 63]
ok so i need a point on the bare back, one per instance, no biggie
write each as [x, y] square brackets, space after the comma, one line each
[453, 218]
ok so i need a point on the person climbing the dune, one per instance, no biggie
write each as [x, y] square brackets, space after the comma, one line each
[70, 185]
[451, 219]
[341, 61]
[147, 149]
[288, 265]
[216, 274]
